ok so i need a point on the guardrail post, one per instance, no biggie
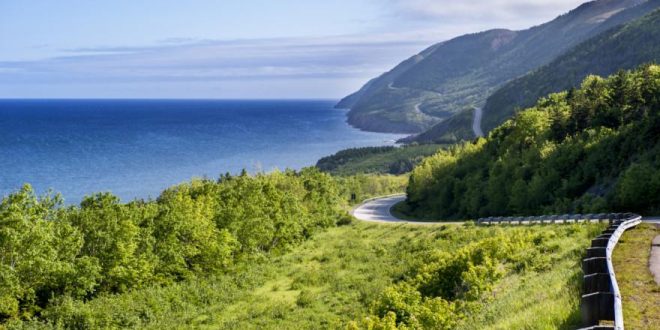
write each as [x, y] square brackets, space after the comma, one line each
[596, 307]
[595, 265]
[596, 252]
[599, 242]
[597, 282]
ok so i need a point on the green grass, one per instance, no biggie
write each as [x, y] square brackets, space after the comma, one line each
[546, 300]
[336, 278]
[640, 293]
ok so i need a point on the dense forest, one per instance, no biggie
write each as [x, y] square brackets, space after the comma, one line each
[379, 160]
[50, 253]
[592, 149]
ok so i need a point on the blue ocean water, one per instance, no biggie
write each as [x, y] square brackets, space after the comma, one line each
[136, 148]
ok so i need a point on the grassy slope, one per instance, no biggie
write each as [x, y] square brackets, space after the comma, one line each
[396, 161]
[641, 295]
[333, 279]
[548, 300]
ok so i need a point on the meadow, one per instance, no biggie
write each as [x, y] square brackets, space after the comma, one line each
[367, 276]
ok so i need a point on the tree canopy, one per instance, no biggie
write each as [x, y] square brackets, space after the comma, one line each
[50, 252]
[591, 149]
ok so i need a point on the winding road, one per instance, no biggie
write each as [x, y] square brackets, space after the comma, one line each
[418, 109]
[378, 210]
[476, 123]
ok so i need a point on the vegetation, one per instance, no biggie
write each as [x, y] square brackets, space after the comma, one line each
[592, 149]
[640, 293]
[380, 160]
[452, 76]
[51, 254]
[367, 276]
[624, 47]
[455, 129]
[201, 240]
[359, 187]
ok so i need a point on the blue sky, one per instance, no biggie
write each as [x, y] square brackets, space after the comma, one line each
[230, 49]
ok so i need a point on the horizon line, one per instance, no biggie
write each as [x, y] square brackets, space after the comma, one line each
[159, 99]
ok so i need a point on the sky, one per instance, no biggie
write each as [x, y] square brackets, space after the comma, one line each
[238, 49]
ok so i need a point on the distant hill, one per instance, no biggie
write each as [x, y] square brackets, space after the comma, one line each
[460, 74]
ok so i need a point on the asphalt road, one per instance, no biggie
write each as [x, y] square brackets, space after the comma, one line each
[378, 210]
[476, 123]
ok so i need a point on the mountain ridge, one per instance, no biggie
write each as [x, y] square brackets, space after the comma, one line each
[620, 48]
[459, 74]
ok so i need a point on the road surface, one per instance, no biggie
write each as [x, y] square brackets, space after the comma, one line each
[476, 123]
[378, 210]
[418, 109]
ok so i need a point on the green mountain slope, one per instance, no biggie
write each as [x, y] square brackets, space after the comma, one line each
[589, 150]
[459, 74]
[624, 47]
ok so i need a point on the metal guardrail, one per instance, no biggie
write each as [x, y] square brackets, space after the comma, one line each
[564, 218]
[601, 299]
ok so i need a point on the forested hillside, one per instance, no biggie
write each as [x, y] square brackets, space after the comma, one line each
[380, 160]
[593, 149]
[457, 75]
[624, 47]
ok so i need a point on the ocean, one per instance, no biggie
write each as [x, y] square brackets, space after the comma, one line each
[136, 148]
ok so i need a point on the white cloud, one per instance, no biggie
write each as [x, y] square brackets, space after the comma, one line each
[336, 65]
[354, 59]
[493, 13]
